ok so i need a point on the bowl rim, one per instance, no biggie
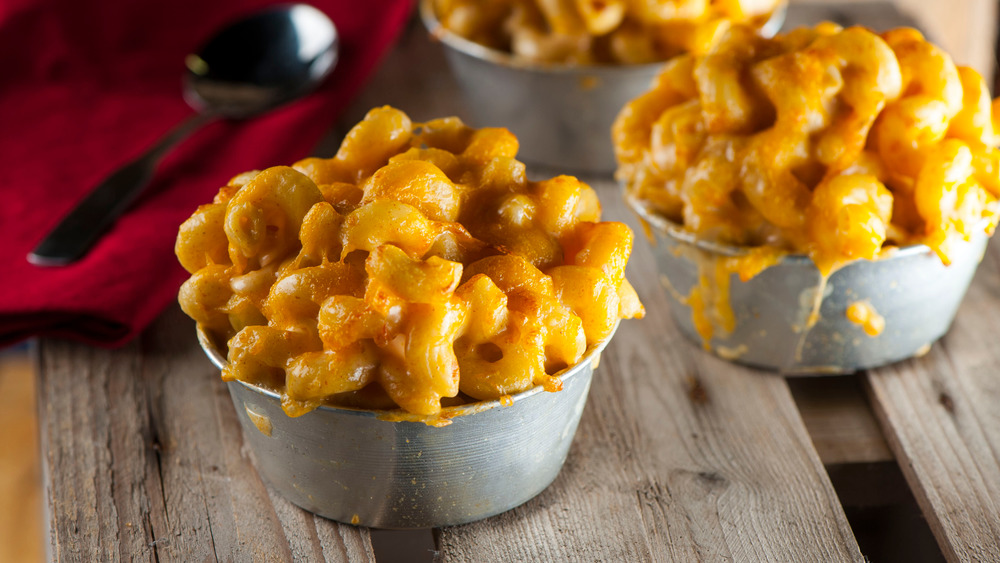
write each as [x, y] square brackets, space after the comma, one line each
[590, 356]
[502, 58]
[675, 231]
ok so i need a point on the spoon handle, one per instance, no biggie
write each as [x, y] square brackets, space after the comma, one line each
[81, 228]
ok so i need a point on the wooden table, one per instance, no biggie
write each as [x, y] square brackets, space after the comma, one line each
[679, 456]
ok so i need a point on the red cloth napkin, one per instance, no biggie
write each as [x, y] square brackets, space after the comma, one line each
[88, 86]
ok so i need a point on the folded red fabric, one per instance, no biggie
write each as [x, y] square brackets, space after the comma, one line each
[87, 87]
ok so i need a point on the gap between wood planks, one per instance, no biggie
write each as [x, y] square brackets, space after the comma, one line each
[840, 420]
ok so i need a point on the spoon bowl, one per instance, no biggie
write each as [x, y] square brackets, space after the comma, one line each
[255, 64]
[262, 61]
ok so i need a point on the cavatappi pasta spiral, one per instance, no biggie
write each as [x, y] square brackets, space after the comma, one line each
[832, 142]
[415, 267]
[600, 31]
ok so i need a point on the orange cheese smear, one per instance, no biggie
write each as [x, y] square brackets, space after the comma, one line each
[829, 142]
[709, 298]
[262, 422]
[862, 313]
[418, 268]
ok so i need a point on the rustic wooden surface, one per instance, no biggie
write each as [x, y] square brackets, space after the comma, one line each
[143, 459]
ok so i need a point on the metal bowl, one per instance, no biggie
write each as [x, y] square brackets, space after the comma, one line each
[910, 288]
[389, 469]
[561, 114]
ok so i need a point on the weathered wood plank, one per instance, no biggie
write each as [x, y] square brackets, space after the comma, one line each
[941, 418]
[144, 459]
[679, 456]
[75, 424]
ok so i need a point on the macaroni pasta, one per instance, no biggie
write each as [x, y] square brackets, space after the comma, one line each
[832, 142]
[415, 267]
[600, 31]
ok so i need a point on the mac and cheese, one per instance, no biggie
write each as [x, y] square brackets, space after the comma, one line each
[417, 264]
[600, 31]
[831, 142]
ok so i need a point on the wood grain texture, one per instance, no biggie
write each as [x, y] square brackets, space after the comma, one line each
[143, 459]
[941, 416]
[679, 456]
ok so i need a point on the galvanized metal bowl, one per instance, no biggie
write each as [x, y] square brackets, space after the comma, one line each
[915, 293]
[561, 114]
[387, 469]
